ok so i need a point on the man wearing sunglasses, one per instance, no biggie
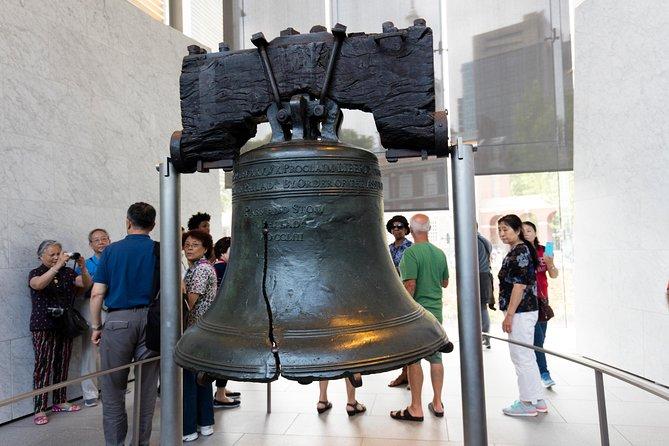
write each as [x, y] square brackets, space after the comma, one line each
[398, 226]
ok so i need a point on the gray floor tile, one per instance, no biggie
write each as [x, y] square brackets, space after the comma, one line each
[645, 435]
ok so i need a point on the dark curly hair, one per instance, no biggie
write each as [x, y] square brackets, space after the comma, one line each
[398, 219]
[221, 246]
[196, 219]
[202, 237]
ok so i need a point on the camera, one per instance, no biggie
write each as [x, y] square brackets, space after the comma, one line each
[74, 255]
[55, 311]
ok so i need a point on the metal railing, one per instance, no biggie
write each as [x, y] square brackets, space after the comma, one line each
[600, 370]
[137, 390]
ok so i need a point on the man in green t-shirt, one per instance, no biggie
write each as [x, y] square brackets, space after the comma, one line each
[424, 273]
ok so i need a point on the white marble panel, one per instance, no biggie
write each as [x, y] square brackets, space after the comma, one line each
[16, 304]
[5, 379]
[22, 374]
[656, 340]
[27, 167]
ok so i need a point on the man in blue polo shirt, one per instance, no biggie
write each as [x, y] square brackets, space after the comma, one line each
[124, 281]
[98, 240]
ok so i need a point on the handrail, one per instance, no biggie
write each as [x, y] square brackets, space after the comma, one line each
[643, 383]
[600, 369]
[41, 390]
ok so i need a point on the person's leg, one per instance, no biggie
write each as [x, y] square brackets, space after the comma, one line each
[221, 391]
[189, 403]
[352, 405]
[437, 379]
[415, 374]
[63, 352]
[116, 349]
[42, 371]
[150, 375]
[205, 405]
[400, 380]
[89, 388]
[323, 402]
[529, 382]
[539, 336]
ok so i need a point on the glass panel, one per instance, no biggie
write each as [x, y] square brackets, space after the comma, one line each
[510, 83]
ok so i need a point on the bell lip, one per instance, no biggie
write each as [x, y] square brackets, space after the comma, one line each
[255, 375]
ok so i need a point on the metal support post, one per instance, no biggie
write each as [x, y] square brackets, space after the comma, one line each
[269, 397]
[469, 303]
[137, 406]
[601, 409]
[171, 399]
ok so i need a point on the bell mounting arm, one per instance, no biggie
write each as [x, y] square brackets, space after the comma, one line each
[225, 95]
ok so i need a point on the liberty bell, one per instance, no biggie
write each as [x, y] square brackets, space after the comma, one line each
[310, 291]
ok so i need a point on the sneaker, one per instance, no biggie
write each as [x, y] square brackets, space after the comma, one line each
[547, 381]
[91, 403]
[486, 343]
[520, 409]
[206, 430]
[190, 437]
[541, 406]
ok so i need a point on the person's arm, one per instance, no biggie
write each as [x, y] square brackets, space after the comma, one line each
[410, 286]
[550, 267]
[97, 297]
[83, 280]
[41, 282]
[514, 301]
[444, 283]
[192, 298]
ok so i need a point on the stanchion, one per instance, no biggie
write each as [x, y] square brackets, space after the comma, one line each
[171, 400]
[469, 303]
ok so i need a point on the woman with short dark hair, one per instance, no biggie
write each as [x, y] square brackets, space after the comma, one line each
[518, 301]
[52, 290]
[200, 288]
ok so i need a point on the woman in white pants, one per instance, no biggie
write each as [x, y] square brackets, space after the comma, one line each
[518, 300]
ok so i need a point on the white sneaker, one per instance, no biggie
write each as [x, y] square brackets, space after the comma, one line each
[190, 437]
[206, 430]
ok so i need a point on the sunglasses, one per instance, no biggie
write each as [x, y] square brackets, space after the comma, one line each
[398, 226]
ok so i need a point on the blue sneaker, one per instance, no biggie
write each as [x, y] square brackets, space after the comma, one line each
[547, 381]
[520, 409]
[541, 406]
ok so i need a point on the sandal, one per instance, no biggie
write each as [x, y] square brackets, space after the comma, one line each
[399, 381]
[40, 420]
[65, 407]
[327, 405]
[404, 415]
[356, 408]
[231, 394]
[436, 414]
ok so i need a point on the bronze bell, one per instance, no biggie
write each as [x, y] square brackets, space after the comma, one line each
[310, 291]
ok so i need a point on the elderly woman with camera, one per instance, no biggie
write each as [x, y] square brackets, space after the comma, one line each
[52, 291]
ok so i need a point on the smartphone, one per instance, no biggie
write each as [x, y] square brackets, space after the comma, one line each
[549, 249]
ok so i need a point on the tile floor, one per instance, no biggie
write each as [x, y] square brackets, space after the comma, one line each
[635, 418]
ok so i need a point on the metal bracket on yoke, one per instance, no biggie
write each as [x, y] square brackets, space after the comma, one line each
[441, 148]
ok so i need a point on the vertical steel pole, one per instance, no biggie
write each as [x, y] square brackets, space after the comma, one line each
[137, 406]
[269, 397]
[601, 408]
[171, 399]
[469, 303]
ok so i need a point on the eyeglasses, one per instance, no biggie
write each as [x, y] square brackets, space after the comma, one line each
[398, 226]
[192, 246]
[101, 239]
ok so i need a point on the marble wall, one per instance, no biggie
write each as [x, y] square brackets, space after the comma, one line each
[621, 165]
[89, 96]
